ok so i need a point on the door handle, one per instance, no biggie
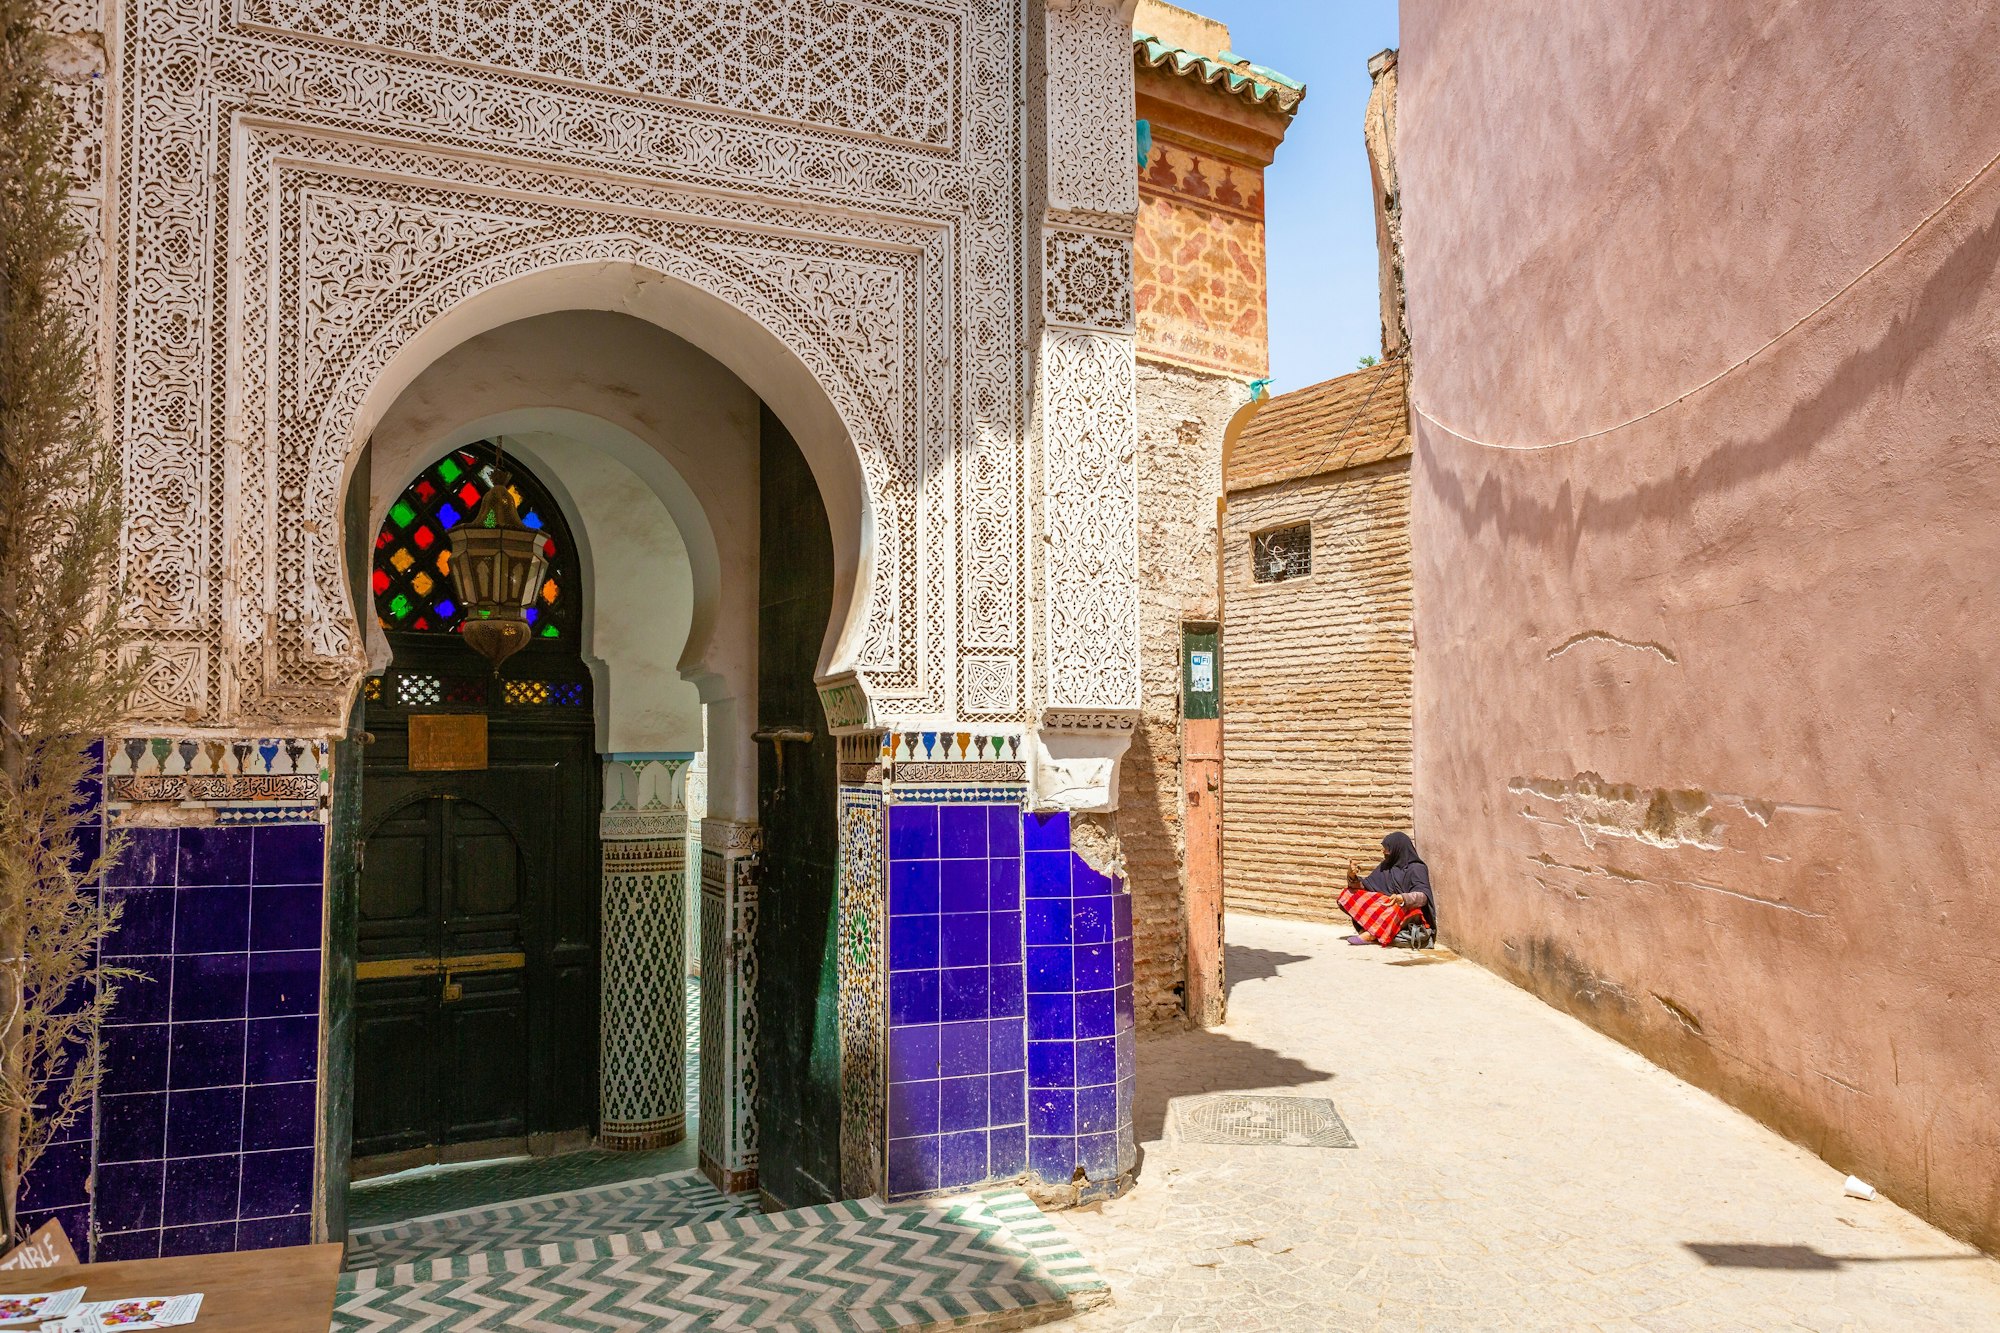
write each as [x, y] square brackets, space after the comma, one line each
[461, 964]
[780, 737]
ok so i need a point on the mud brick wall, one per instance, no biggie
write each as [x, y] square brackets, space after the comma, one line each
[1182, 415]
[1316, 681]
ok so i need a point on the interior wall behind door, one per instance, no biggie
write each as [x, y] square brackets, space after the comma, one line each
[798, 1043]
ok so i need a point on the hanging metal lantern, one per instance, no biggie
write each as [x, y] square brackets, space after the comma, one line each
[497, 562]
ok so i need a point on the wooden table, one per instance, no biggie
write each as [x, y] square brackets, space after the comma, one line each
[252, 1291]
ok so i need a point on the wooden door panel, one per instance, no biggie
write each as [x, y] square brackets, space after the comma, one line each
[394, 1074]
[396, 898]
[486, 1052]
[798, 1106]
[485, 885]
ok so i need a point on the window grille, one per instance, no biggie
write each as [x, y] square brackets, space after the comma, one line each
[419, 691]
[1282, 553]
[525, 693]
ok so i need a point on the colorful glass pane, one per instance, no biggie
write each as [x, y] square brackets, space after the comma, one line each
[412, 574]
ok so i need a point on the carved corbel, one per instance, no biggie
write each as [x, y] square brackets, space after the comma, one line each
[1077, 755]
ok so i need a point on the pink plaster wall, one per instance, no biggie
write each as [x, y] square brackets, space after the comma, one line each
[1708, 707]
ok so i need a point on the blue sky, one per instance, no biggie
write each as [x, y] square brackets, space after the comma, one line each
[1324, 310]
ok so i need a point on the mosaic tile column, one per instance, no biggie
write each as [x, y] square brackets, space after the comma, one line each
[729, 1004]
[1081, 1052]
[643, 1047]
[864, 929]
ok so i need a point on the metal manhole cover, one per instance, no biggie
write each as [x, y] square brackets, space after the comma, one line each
[1279, 1122]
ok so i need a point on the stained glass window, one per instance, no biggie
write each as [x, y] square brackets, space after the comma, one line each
[412, 580]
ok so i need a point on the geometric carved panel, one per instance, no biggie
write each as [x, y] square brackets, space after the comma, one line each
[307, 186]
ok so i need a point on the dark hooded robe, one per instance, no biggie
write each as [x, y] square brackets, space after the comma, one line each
[1403, 871]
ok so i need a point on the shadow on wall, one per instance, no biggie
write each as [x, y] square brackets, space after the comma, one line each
[1191, 1063]
[1241, 963]
[1929, 315]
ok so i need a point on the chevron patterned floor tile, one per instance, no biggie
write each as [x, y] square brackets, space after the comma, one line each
[655, 1204]
[972, 1260]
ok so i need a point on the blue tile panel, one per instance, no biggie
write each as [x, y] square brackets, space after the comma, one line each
[1081, 1056]
[207, 1113]
[957, 1001]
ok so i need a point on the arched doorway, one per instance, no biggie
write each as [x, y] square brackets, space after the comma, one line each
[477, 960]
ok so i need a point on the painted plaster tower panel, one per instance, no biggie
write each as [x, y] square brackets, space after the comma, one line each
[1212, 123]
[309, 204]
[1704, 548]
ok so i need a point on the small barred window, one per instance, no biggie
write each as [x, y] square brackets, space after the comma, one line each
[1282, 553]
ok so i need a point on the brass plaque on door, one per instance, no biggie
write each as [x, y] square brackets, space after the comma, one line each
[447, 742]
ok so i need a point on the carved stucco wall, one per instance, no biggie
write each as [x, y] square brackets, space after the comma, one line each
[306, 191]
[1087, 404]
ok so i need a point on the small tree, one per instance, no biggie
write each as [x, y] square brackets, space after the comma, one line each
[63, 681]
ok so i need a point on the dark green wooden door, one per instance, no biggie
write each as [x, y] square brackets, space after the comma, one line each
[442, 980]
[475, 978]
[798, 1049]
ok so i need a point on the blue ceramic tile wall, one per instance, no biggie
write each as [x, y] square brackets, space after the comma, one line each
[957, 1006]
[1081, 1057]
[206, 1116]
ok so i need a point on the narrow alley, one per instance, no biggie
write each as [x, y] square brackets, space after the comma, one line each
[1515, 1170]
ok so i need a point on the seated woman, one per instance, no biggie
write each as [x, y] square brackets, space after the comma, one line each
[1397, 893]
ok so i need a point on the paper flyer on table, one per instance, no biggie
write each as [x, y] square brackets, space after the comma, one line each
[134, 1314]
[19, 1311]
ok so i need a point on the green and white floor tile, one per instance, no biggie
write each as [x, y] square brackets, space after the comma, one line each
[989, 1259]
[636, 1241]
[445, 1189]
[660, 1203]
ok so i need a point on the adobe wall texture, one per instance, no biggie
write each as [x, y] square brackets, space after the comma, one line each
[1316, 690]
[1182, 415]
[1706, 703]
